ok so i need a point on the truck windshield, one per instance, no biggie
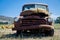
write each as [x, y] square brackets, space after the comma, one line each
[41, 6]
[29, 7]
[33, 6]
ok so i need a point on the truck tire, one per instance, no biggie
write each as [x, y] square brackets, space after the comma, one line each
[18, 33]
[51, 32]
[21, 34]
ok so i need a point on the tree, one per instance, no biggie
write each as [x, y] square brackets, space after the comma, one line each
[57, 20]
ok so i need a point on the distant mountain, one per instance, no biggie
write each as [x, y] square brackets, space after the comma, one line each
[6, 19]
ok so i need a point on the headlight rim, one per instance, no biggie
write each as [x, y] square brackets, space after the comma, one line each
[50, 20]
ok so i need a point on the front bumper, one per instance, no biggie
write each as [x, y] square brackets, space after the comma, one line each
[47, 27]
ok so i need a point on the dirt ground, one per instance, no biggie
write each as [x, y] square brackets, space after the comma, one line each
[8, 34]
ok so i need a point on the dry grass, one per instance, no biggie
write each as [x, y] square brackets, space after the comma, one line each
[6, 26]
[8, 34]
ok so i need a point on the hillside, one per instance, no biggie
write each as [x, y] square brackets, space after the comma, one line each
[6, 19]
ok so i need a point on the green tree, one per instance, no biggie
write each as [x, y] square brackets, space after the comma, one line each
[57, 20]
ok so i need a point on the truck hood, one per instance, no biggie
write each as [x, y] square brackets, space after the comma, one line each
[35, 11]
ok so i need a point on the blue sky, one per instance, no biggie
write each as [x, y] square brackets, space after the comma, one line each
[13, 8]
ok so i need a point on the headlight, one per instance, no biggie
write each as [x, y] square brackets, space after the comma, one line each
[50, 19]
[16, 19]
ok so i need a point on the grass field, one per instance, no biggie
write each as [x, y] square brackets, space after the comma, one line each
[57, 26]
[7, 34]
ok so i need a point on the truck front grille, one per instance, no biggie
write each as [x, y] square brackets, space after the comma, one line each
[33, 22]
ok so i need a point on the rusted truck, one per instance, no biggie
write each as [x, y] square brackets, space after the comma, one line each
[34, 18]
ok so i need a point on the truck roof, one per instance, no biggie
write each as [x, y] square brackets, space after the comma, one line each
[35, 3]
